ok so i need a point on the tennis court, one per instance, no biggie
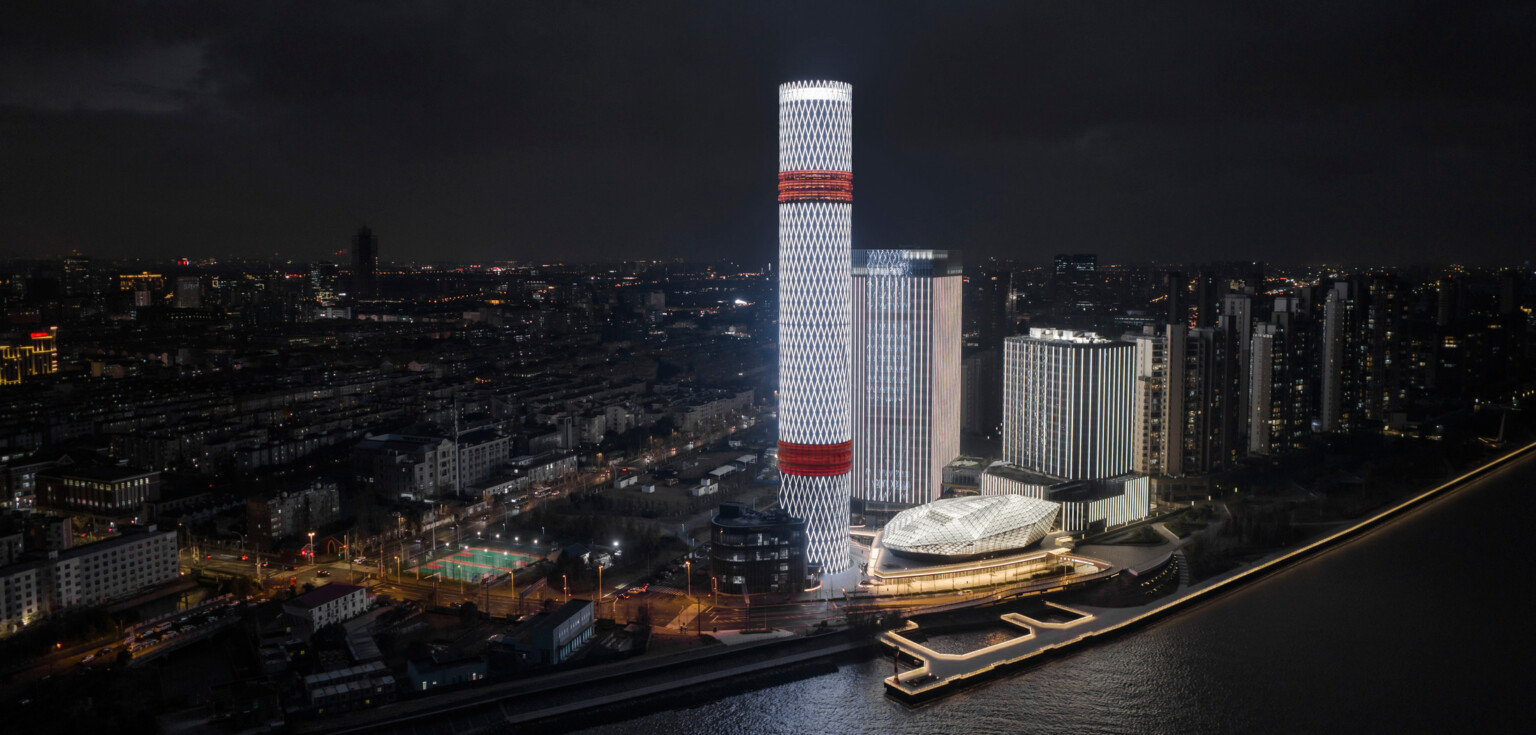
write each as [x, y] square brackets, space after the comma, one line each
[471, 565]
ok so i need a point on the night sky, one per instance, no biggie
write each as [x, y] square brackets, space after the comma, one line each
[1355, 131]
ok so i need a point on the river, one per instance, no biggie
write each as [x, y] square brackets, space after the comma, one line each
[1413, 627]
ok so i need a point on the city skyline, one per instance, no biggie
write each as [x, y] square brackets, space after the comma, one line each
[411, 366]
[1370, 133]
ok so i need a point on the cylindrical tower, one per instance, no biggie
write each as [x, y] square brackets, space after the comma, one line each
[815, 317]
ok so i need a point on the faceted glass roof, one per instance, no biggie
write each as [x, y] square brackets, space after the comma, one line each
[970, 526]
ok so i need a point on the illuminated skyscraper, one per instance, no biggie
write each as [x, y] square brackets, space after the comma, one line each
[815, 329]
[906, 376]
[1068, 398]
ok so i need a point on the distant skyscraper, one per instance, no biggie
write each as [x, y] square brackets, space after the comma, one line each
[815, 320]
[189, 292]
[365, 265]
[1068, 404]
[906, 376]
[1207, 298]
[326, 281]
[1076, 281]
[1175, 298]
[1510, 287]
[1236, 325]
[1338, 312]
[1158, 404]
[77, 277]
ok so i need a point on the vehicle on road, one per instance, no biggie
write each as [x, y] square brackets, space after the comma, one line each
[89, 657]
[322, 573]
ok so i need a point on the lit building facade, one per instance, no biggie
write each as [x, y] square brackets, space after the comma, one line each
[1068, 404]
[93, 574]
[815, 320]
[22, 358]
[906, 376]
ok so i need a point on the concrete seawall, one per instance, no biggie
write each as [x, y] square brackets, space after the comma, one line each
[567, 697]
[938, 675]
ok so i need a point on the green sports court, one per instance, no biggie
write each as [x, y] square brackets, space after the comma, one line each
[470, 565]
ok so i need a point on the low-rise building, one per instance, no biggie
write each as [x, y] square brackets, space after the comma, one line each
[398, 464]
[272, 518]
[365, 685]
[47, 582]
[545, 467]
[103, 492]
[327, 605]
[754, 552]
[552, 638]
[438, 671]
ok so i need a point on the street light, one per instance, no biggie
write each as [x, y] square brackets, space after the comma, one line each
[565, 584]
[688, 572]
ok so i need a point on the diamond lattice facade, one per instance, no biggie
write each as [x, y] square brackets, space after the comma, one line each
[959, 528]
[815, 321]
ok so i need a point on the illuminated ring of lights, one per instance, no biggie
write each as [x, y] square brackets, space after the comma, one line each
[815, 186]
[816, 460]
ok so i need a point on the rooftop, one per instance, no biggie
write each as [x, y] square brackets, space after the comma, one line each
[1046, 334]
[1019, 474]
[99, 474]
[322, 595]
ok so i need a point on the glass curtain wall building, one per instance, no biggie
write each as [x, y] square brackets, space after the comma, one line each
[906, 377]
[815, 320]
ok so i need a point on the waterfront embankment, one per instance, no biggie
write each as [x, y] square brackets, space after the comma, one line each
[937, 675]
[579, 697]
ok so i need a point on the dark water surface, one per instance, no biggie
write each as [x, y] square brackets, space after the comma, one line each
[1420, 626]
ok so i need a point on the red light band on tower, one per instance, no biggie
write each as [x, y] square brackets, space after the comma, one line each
[815, 460]
[815, 186]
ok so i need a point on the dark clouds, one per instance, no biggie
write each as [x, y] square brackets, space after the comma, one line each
[1342, 131]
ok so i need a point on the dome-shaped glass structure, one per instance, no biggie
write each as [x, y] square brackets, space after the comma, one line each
[955, 529]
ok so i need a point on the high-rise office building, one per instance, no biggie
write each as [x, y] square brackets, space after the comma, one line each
[815, 319]
[1068, 398]
[189, 292]
[1068, 428]
[78, 277]
[365, 265]
[906, 376]
[1076, 282]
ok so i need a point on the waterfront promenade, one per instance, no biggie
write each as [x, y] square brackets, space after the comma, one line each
[940, 674]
